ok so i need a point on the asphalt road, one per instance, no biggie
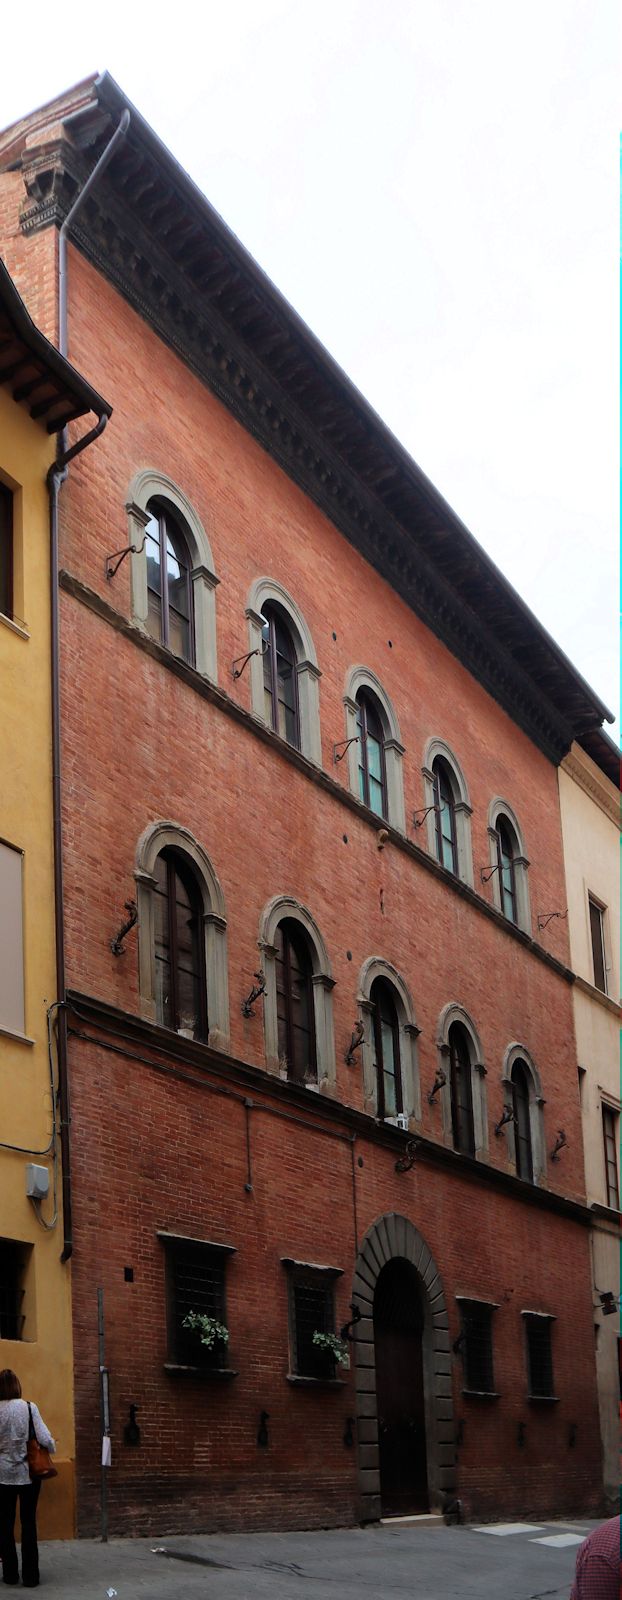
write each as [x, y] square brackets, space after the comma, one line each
[378, 1563]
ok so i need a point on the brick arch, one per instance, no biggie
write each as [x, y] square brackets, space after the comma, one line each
[394, 1237]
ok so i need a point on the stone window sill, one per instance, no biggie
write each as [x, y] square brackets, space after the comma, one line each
[481, 1394]
[11, 1033]
[301, 1382]
[543, 1399]
[14, 627]
[177, 1370]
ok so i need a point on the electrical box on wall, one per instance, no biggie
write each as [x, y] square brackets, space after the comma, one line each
[37, 1182]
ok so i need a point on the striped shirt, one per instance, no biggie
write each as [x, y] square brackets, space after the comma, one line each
[598, 1564]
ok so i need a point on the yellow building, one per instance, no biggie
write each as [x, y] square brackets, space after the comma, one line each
[39, 393]
[590, 813]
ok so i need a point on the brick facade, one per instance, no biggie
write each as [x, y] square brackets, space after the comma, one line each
[161, 1137]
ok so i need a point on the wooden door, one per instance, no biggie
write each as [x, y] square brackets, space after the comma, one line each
[398, 1330]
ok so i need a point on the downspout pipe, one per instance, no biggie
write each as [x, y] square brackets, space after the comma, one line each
[56, 476]
[100, 165]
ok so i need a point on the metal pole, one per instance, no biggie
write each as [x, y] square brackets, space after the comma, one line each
[105, 1419]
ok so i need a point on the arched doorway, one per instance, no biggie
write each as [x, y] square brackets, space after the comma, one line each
[398, 1341]
[410, 1313]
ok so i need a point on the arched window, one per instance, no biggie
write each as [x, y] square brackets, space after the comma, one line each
[507, 882]
[283, 673]
[298, 999]
[386, 1050]
[445, 816]
[447, 810]
[294, 1001]
[374, 749]
[180, 987]
[461, 1090]
[173, 579]
[371, 763]
[182, 935]
[509, 864]
[280, 685]
[169, 594]
[522, 1120]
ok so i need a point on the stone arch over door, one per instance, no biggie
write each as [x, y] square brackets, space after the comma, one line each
[392, 1238]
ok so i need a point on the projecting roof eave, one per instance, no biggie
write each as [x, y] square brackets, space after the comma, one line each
[38, 375]
[210, 300]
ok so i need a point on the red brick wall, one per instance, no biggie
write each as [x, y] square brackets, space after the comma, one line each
[139, 745]
[162, 1155]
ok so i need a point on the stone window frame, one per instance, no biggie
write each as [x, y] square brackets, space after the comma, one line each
[500, 811]
[437, 749]
[268, 591]
[518, 1052]
[148, 485]
[357, 678]
[283, 908]
[166, 835]
[454, 1012]
[376, 967]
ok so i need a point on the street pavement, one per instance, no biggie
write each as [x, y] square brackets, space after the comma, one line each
[521, 1561]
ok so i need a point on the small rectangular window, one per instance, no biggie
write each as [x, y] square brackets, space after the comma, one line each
[311, 1310]
[195, 1282]
[14, 1262]
[476, 1342]
[597, 933]
[539, 1356]
[6, 551]
[610, 1141]
[11, 940]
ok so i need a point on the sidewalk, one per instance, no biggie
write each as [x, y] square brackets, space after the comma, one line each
[426, 1563]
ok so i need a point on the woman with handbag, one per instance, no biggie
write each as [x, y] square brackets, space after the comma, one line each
[20, 1422]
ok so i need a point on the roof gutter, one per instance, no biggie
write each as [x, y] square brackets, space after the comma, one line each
[56, 476]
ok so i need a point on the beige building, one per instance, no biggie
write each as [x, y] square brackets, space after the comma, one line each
[590, 811]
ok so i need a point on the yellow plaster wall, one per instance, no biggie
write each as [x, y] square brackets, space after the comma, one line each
[43, 1358]
[590, 829]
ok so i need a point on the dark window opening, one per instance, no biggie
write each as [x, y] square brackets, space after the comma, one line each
[539, 1357]
[195, 1275]
[506, 853]
[13, 1263]
[477, 1346]
[522, 1123]
[610, 1140]
[169, 584]
[312, 1310]
[597, 932]
[461, 1090]
[6, 551]
[181, 998]
[371, 761]
[386, 1050]
[445, 817]
[294, 1002]
[280, 678]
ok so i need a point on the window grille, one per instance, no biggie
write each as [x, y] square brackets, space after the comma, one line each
[312, 1310]
[196, 1282]
[539, 1356]
[477, 1346]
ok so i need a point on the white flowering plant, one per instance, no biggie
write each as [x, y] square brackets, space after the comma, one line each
[335, 1346]
[211, 1332]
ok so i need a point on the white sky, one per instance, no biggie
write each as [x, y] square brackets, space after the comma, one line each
[433, 184]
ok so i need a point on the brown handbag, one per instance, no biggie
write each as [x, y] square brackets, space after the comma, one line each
[38, 1458]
